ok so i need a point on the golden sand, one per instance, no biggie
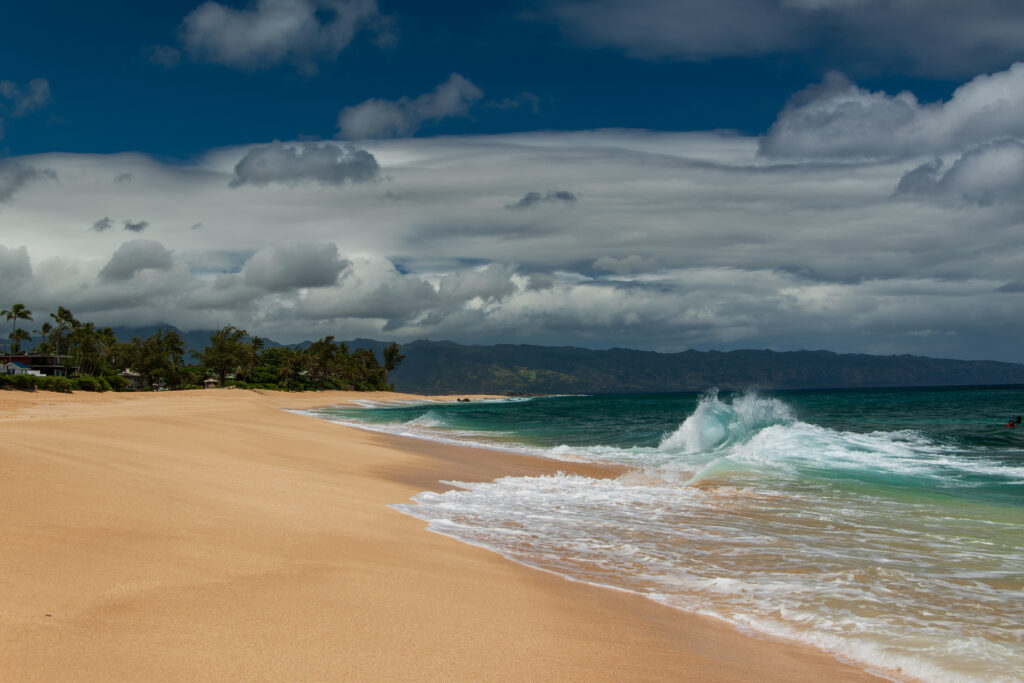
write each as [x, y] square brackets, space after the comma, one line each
[211, 535]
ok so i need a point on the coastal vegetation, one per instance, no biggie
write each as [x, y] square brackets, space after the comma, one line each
[95, 360]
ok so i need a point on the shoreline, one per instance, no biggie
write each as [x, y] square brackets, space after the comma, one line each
[214, 535]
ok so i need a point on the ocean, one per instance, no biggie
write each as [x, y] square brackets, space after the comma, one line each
[883, 526]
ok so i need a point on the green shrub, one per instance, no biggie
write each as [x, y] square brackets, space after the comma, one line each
[116, 382]
[60, 385]
[86, 383]
[24, 382]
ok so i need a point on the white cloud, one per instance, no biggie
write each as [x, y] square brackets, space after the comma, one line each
[937, 38]
[382, 118]
[683, 240]
[325, 163]
[838, 120]
[270, 32]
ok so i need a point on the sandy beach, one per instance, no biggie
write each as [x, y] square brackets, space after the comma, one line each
[212, 535]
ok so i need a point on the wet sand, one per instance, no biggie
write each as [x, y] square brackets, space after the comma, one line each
[211, 535]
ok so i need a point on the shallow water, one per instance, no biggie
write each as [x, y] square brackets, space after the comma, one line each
[884, 526]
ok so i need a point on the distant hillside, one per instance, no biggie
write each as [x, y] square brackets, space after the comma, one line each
[449, 368]
[446, 367]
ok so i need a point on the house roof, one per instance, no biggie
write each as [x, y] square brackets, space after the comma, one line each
[19, 364]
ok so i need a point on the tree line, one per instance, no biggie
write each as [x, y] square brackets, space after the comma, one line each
[233, 357]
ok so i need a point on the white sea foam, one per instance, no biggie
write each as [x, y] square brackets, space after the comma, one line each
[745, 513]
[842, 575]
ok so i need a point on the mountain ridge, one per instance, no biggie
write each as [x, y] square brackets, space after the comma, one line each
[447, 367]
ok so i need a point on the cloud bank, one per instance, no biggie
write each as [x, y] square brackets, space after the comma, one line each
[684, 240]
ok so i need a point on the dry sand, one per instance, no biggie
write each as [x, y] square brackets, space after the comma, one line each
[210, 535]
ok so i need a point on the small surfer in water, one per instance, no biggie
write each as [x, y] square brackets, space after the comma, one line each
[1011, 424]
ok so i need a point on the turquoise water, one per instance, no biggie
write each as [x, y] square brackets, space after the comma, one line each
[886, 527]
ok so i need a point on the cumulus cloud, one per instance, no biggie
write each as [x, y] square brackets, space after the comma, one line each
[135, 226]
[983, 175]
[14, 176]
[377, 118]
[325, 163]
[532, 199]
[289, 266]
[492, 282]
[134, 256]
[374, 289]
[102, 224]
[270, 32]
[941, 38]
[836, 119]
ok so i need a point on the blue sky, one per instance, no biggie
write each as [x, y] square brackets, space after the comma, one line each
[784, 174]
[108, 95]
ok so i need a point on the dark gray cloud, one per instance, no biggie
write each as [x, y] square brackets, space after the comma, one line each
[836, 119]
[135, 226]
[326, 163]
[270, 32]
[625, 265]
[289, 266]
[14, 176]
[938, 38]
[15, 266]
[984, 175]
[102, 224]
[133, 256]
[383, 118]
[532, 199]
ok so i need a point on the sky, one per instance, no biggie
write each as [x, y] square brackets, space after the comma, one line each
[779, 174]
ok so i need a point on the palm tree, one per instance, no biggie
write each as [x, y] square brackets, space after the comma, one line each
[17, 337]
[62, 317]
[15, 313]
[44, 331]
[256, 345]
